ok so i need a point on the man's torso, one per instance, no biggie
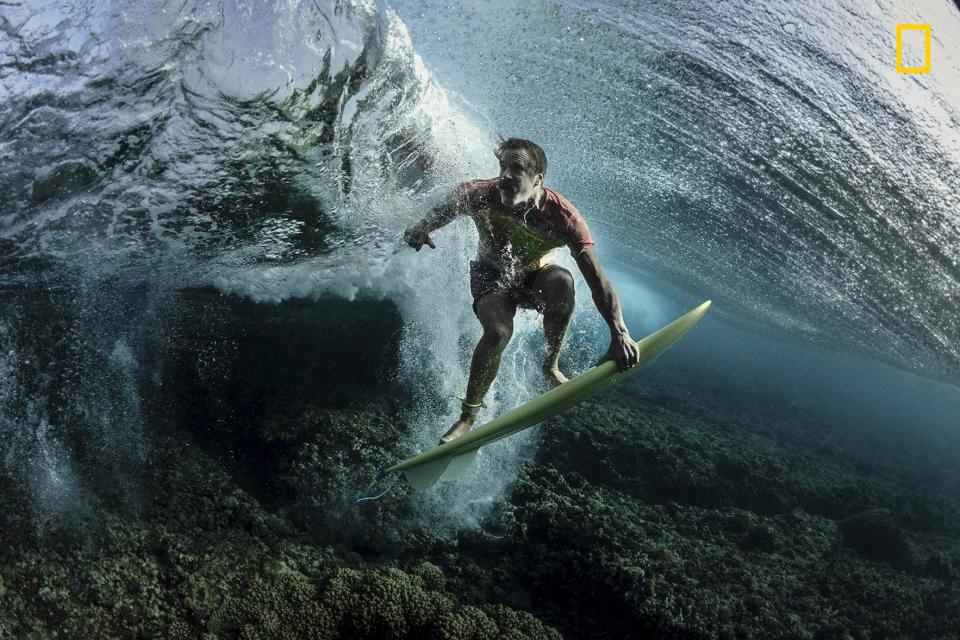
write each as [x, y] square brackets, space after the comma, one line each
[519, 243]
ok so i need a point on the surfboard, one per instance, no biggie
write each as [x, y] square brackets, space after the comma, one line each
[449, 461]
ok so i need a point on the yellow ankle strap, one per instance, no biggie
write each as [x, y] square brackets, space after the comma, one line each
[472, 409]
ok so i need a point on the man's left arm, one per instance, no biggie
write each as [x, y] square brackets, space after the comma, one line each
[622, 347]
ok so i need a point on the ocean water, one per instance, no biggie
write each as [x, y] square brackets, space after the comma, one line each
[765, 156]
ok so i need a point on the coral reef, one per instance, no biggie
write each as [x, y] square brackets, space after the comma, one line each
[639, 515]
[208, 561]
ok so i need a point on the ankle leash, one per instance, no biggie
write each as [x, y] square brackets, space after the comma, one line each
[468, 408]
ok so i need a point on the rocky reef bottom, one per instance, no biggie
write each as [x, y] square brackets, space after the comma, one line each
[639, 515]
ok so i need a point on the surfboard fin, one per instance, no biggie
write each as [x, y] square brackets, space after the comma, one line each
[459, 465]
[425, 475]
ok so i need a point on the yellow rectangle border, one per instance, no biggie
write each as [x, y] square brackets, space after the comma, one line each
[926, 41]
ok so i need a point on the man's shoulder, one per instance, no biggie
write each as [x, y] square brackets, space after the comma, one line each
[567, 221]
[557, 205]
[477, 193]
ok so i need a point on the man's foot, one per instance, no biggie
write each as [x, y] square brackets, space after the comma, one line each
[459, 428]
[553, 376]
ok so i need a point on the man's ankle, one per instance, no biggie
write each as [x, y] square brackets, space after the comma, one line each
[468, 408]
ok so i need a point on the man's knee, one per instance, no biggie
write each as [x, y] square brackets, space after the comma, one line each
[495, 312]
[498, 333]
[556, 289]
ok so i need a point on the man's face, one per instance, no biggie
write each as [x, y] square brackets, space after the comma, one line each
[518, 183]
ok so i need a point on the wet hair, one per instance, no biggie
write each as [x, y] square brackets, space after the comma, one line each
[536, 153]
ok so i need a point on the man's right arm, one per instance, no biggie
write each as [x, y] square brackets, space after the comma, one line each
[454, 204]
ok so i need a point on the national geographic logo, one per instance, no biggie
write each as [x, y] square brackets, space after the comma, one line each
[913, 33]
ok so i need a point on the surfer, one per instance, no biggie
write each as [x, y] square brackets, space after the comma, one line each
[521, 223]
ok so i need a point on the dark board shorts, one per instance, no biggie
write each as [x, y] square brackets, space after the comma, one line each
[485, 278]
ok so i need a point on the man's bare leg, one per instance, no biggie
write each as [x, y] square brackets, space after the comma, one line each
[495, 312]
[553, 288]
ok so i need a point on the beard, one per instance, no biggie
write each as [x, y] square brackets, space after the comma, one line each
[514, 200]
